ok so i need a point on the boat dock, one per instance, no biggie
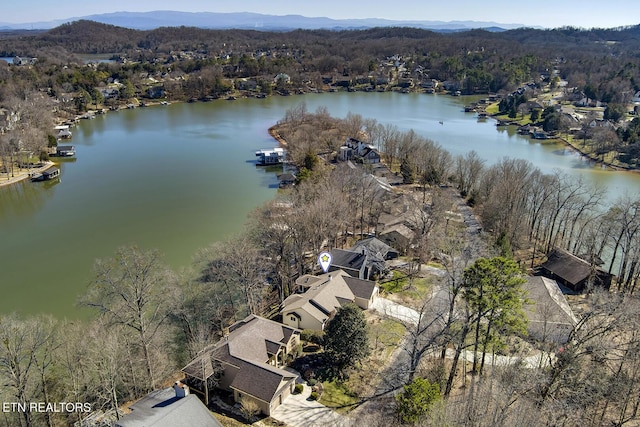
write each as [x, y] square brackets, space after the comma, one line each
[270, 156]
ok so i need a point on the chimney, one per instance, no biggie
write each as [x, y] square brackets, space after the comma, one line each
[181, 389]
[329, 278]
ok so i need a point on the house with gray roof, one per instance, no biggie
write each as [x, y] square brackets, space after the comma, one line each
[169, 407]
[247, 361]
[550, 318]
[317, 298]
[376, 247]
[361, 264]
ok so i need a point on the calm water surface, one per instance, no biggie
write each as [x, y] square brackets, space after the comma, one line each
[180, 177]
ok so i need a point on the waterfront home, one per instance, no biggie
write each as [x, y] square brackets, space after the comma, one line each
[24, 61]
[170, 407]
[65, 150]
[270, 156]
[317, 298]
[358, 150]
[573, 272]
[247, 362]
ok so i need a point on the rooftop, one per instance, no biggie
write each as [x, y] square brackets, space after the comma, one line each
[162, 408]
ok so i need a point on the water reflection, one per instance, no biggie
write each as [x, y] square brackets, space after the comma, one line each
[22, 200]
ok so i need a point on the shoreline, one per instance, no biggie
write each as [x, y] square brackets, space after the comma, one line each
[567, 144]
[24, 174]
[273, 131]
[615, 168]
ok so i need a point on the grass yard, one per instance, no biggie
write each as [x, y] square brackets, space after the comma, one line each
[337, 395]
[403, 286]
[384, 337]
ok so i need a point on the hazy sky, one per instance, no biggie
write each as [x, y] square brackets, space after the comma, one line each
[545, 13]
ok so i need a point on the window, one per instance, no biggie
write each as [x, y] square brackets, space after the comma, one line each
[293, 319]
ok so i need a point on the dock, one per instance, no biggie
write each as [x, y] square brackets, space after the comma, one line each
[270, 156]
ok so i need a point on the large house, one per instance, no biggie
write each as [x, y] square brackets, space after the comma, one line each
[247, 362]
[354, 149]
[573, 272]
[319, 297]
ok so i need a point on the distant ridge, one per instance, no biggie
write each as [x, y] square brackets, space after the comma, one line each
[254, 21]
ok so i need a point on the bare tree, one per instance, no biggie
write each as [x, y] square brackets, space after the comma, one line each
[238, 263]
[135, 290]
[468, 171]
[20, 342]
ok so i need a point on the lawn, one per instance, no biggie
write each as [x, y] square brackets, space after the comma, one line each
[337, 395]
[407, 289]
[384, 337]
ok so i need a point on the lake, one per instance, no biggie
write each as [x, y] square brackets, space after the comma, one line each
[180, 177]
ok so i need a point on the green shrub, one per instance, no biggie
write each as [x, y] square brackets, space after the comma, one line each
[313, 396]
[298, 388]
[311, 382]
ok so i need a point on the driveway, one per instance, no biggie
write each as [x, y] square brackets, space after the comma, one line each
[297, 411]
[397, 311]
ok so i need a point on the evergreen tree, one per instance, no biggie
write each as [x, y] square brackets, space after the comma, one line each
[346, 341]
[416, 400]
[493, 291]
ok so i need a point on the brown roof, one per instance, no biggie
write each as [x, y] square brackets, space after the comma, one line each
[261, 381]
[202, 366]
[327, 293]
[567, 266]
[323, 297]
[248, 347]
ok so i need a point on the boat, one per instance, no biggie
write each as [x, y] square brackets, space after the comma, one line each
[270, 156]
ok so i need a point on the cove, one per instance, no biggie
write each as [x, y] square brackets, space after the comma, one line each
[180, 177]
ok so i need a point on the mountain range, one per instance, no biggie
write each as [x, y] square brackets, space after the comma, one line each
[254, 21]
